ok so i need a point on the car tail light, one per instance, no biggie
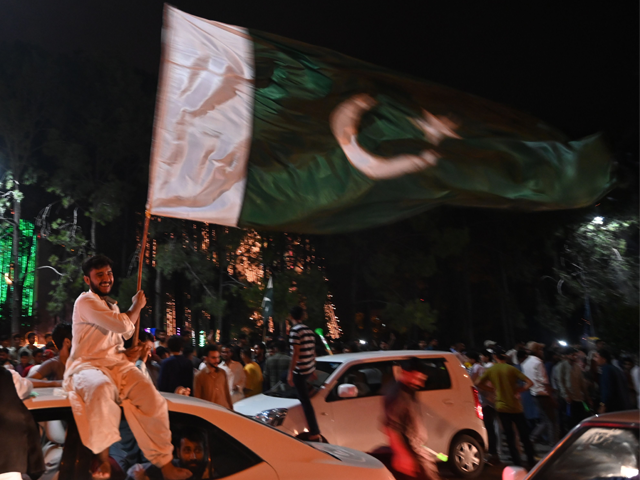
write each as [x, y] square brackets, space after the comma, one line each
[478, 405]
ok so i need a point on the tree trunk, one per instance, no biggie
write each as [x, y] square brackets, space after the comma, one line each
[158, 308]
[16, 290]
[94, 247]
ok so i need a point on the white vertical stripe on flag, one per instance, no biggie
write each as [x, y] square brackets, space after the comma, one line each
[204, 113]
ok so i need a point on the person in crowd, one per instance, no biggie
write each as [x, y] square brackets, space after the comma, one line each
[384, 346]
[211, 383]
[253, 384]
[235, 374]
[176, 372]
[502, 379]
[24, 364]
[20, 438]
[54, 368]
[161, 338]
[190, 353]
[101, 378]
[30, 344]
[260, 355]
[434, 344]
[277, 365]
[4, 358]
[303, 366]
[613, 385]
[487, 400]
[243, 340]
[162, 353]
[17, 342]
[38, 358]
[529, 407]
[542, 394]
[512, 355]
[404, 425]
[422, 345]
[192, 453]
[49, 343]
[573, 387]
[458, 349]
[627, 363]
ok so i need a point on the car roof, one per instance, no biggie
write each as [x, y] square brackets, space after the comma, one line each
[628, 417]
[382, 355]
[56, 397]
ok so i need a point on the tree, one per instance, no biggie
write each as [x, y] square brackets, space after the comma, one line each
[26, 108]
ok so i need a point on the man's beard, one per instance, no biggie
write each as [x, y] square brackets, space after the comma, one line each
[195, 467]
[96, 289]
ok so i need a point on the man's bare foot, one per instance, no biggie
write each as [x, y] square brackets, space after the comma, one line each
[100, 467]
[171, 472]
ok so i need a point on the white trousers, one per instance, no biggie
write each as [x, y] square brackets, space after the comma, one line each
[96, 396]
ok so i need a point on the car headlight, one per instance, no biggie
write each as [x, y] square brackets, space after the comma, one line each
[273, 417]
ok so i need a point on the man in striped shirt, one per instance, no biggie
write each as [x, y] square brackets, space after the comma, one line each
[303, 366]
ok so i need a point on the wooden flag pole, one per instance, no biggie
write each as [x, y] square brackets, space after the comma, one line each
[145, 232]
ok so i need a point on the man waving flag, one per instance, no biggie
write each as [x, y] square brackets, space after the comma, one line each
[254, 130]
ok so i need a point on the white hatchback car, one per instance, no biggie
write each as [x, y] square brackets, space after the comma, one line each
[347, 399]
[238, 448]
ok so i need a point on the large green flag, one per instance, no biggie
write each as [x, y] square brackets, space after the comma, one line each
[254, 130]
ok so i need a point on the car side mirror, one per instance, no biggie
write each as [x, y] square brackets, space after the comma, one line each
[346, 390]
[513, 473]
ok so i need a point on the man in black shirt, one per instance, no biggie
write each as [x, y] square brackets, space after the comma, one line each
[176, 372]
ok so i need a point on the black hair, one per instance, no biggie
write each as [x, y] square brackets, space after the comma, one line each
[474, 356]
[30, 334]
[413, 364]
[25, 353]
[208, 349]
[16, 335]
[297, 312]
[4, 350]
[37, 351]
[606, 354]
[280, 345]
[160, 330]
[160, 351]
[48, 334]
[188, 349]
[97, 261]
[175, 343]
[246, 351]
[261, 345]
[242, 336]
[60, 332]
[522, 354]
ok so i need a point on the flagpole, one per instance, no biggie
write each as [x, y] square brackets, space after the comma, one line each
[145, 232]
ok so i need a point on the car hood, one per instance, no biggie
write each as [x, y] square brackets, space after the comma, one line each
[259, 403]
[347, 455]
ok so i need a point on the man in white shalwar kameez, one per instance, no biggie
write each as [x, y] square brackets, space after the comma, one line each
[101, 377]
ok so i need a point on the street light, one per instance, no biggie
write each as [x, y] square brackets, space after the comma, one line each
[562, 343]
[598, 220]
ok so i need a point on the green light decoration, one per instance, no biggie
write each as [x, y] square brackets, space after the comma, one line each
[27, 252]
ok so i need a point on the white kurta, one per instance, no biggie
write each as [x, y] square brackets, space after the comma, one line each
[100, 379]
[235, 376]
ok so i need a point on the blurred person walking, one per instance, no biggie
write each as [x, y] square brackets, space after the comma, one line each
[253, 385]
[541, 392]
[404, 424]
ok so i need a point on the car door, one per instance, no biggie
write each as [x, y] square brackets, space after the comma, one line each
[356, 421]
[438, 402]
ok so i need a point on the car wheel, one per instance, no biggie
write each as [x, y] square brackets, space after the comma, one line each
[465, 457]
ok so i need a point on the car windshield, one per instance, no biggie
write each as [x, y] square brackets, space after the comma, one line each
[324, 369]
[597, 452]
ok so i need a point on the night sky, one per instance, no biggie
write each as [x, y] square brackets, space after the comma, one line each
[572, 64]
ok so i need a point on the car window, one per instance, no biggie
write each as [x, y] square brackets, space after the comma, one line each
[216, 452]
[596, 453]
[438, 375]
[323, 372]
[371, 379]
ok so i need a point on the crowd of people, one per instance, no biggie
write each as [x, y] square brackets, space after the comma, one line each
[541, 393]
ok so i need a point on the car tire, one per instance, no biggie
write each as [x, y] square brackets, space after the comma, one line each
[466, 458]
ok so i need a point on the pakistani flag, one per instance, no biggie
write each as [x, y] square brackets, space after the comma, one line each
[254, 130]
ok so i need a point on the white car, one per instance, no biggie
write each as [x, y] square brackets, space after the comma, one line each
[239, 448]
[348, 405]
[601, 447]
